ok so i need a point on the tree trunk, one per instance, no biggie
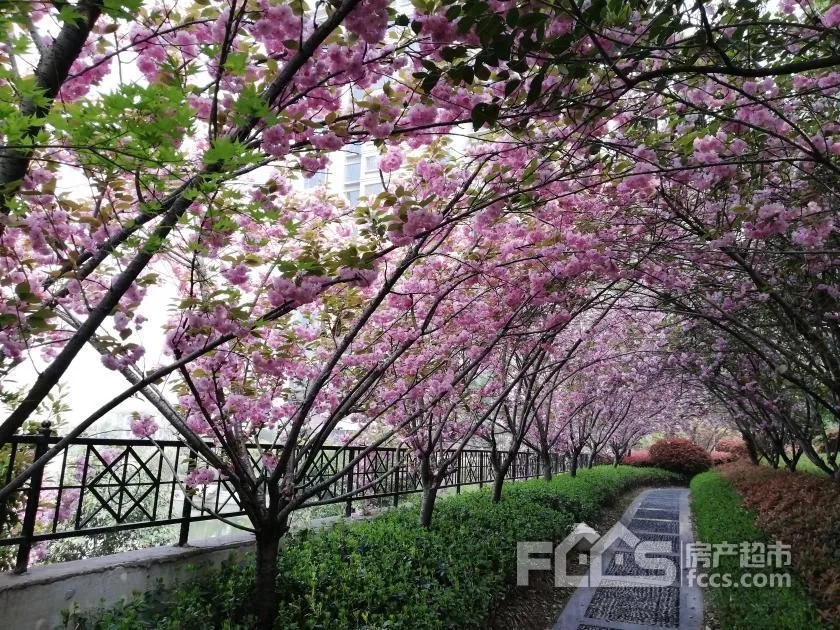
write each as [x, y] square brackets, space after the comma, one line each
[498, 482]
[752, 453]
[265, 589]
[794, 460]
[427, 505]
[591, 461]
[573, 464]
[430, 483]
[545, 460]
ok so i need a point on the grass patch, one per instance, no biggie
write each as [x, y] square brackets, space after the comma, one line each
[803, 465]
[388, 572]
[806, 465]
[720, 517]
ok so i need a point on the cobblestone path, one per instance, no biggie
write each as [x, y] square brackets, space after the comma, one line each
[621, 594]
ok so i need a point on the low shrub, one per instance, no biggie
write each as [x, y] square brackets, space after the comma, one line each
[637, 458]
[388, 572]
[722, 457]
[799, 509]
[601, 486]
[721, 518]
[679, 455]
[734, 445]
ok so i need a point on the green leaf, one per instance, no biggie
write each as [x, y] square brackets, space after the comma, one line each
[512, 17]
[152, 244]
[430, 81]
[535, 89]
[451, 53]
[484, 114]
[223, 149]
[126, 9]
[68, 14]
[530, 20]
[23, 290]
[237, 62]
[488, 28]
[510, 86]
[251, 104]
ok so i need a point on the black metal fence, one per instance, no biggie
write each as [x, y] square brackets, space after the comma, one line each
[96, 486]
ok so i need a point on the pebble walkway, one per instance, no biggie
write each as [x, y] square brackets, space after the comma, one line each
[617, 597]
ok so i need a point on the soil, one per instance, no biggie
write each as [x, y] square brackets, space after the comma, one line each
[538, 605]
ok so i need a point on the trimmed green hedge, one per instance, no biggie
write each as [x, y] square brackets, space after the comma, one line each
[388, 572]
[720, 517]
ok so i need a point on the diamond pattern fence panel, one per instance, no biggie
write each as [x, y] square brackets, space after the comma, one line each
[94, 486]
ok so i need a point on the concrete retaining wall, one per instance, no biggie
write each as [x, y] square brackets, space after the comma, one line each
[34, 600]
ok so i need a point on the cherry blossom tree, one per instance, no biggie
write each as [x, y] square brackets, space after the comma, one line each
[681, 154]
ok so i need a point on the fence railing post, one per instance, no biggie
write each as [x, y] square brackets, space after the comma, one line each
[458, 472]
[186, 509]
[348, 508]
[397, 477]
[33, 497]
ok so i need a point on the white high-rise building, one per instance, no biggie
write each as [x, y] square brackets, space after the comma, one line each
[353, 173]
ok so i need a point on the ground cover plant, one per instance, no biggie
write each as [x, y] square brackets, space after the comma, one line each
[798, 508]
[637, 458]
[721, 517]
[390, 572]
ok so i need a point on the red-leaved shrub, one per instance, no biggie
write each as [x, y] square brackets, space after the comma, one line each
[722, 457]
[680, 455]
[798, 509]
[733, 445]
[637, 458]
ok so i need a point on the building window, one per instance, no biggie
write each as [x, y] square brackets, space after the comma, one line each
[371, 190]
[318, 179]
[353, 164]
[352, 173]
[351, 192]
[371, 163]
